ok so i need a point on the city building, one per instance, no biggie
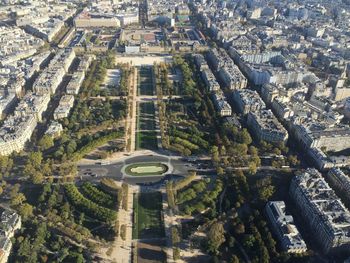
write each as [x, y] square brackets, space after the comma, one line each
[55, 129]
[320, 135]
[284, 228]
[33, 104]
[232, 77]
[64, 106]
[340, 181]
[10, 222]
[89, 20]
[209, 80]
[322, 210]
[266, 127]
[247, 100]
[74, 84]
[221, 105]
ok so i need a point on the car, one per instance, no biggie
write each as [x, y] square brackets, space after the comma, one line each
[93, 175]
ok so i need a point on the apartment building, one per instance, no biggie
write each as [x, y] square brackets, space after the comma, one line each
[340, 181]
[33, 104]
[247, 100]
[64, 106]
[221, 105]
[15, 132]
[209, 80]
[266, 127]
[74, 84]
[284, 228]
[322, 210]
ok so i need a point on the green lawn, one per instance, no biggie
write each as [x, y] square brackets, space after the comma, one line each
[144, 169]
[145, 84]
[147, 109]
[146, 116]
[147, 124]
[146, 140]
[146, 136]
[147, 216]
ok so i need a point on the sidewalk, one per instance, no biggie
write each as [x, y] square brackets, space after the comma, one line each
[168, 223]
[122, 249]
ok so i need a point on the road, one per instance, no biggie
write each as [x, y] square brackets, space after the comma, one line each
[114, 169]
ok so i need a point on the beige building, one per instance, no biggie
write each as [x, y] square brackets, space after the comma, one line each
[63, 109]
[15, 132]
[86, 20]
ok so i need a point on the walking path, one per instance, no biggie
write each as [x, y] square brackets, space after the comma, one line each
[133, 112]
[157, 129]
[122, 249]
[168, 224]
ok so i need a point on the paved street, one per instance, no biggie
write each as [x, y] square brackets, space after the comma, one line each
[95, 171]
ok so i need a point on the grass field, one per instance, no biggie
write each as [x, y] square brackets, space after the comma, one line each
[146, 136]
[146, 140]
[144, 169]
[146, 116]
[145, 85]
[147, 216]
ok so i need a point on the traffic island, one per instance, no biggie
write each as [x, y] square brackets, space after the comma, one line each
[146, 169]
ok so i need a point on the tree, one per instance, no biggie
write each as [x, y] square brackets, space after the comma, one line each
[293, 160]
[215, 154]
[266, 192]
[222, 150]
[24, 248]
[6, 164]
[249, 241]
[245, 137]
[37, 177]
[264, 255]
[216, 237]
[253, 150]
[239, 229]
[14, 191]
[46, 142]
[15, 196]
[35, 158]
[235, 259]
[17, 199]
[220, 170]
[25, 210]
[252, 168]
[65, 210]
[276, 151]
[71, 147]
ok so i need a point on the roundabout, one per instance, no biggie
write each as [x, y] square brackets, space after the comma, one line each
[115, 169]
[146, 169]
